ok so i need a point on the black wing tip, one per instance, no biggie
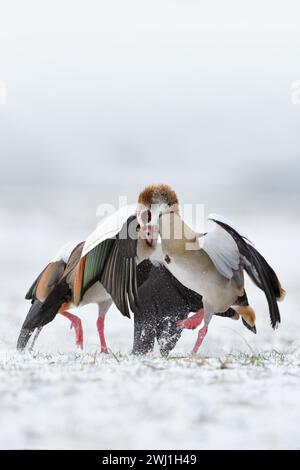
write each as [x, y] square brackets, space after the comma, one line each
[134, 304]
[268, 280]
[275, 324]
[24, 337]
[127, 314]
[230, 313]
[251, 328]
[33, 316]
[274, 312]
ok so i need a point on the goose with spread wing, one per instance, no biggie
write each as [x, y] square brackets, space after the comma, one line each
[104, 269]
[101, 270]
[164, 304]
[212, 265]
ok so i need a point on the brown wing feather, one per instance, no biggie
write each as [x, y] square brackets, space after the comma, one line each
[48, 279]
[78, 278]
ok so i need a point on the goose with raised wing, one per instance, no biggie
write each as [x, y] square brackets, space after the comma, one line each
[101, 270]
[104, 269]
[212, 265]
[164, 304]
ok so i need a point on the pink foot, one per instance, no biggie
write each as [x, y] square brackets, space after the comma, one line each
[201, 336]
[100, 328]
[77, 325]
[192, 322]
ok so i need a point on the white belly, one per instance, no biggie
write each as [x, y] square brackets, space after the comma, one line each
[95, 295]
[216, 290]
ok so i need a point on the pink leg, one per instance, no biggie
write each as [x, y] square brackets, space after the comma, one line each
[100, 328]
[77, 325]
[200, 338]
[192, 322]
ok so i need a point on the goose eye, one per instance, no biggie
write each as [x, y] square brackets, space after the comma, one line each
[138, 227]
[145, 217]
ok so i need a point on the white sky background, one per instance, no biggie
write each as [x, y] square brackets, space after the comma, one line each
[150, 90]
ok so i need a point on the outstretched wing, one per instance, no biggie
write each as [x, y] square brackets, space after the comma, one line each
[119, 275]
[109, 256]
[257, 268]
[108, 228]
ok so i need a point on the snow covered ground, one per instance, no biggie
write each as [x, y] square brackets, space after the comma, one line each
[242, 391]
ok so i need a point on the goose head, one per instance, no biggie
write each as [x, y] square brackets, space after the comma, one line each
[153, 202]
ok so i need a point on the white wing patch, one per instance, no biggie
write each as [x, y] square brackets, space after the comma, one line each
[108, 228]
[222, 250]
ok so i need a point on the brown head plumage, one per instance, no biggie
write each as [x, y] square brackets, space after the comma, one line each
[158, 194]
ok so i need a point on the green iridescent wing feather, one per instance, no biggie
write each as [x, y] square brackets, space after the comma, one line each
[113, 263]
[94, 264]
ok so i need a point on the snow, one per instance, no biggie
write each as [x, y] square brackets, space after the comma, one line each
[240, 392]
[87, 400]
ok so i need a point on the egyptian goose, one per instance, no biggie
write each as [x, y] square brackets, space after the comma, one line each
[100, 270]
[210, 264]
[103, 269]
[164, 305]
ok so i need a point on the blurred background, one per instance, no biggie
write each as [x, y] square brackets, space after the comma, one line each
[105, 97]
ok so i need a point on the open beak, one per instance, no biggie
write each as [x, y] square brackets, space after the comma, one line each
[149, 234]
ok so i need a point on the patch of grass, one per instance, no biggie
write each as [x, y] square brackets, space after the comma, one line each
[224, 363]
[175, 358]
[201, 361]
[260, 359]
[114, 355]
